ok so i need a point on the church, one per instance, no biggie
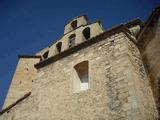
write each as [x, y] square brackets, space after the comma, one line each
[90, 74]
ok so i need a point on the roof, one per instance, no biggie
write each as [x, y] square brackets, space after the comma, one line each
[134, 22]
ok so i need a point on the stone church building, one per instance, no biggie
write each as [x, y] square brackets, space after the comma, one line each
[91, 74]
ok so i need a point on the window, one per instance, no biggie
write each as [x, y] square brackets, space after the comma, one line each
[74, 24]
[80, 80]
[45, 55]
[86, 33]
[59, 46]
[72, 40]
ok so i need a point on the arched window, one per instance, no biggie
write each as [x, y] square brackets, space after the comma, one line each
[45, 55]
[80, 81]
[72, 40]
[59, 46]
[86, 33]
[74, 24]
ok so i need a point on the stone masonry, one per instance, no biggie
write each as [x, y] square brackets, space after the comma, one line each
[117, 82]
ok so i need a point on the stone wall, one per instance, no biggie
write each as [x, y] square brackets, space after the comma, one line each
[25, 110]
[22, 80]
[151, 54]
[118, 87]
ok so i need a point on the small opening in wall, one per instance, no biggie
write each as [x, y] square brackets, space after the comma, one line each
[26, 69]
[72, 40]
[74, 24]
[80, 82]
[86, 33]
[112, 42]
[45, 55]
[59, 46]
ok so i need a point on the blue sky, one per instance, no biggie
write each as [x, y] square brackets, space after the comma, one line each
[27, 26]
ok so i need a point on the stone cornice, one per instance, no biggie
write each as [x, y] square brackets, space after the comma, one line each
[28, 56]
[15, 103]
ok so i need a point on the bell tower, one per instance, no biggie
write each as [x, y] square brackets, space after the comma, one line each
[76, 31]
[75, 23]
